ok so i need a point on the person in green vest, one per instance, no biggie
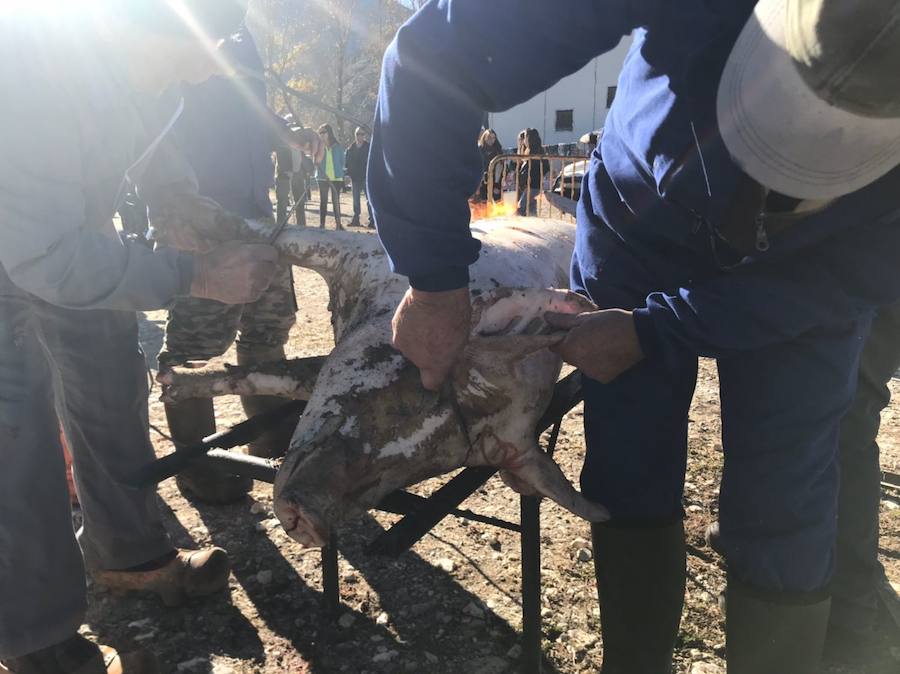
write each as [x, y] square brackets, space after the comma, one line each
[330, 175]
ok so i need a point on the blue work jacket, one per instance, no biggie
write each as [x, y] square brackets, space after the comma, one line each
[661, 182]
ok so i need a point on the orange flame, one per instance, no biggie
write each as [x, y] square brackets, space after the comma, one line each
[488, 210]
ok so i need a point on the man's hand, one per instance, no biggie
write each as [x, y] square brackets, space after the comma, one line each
[431, 329]
[602, 344]
[191, 222]
[234, 272]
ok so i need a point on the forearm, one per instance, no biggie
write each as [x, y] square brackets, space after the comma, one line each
[445, 68]
[91, 270]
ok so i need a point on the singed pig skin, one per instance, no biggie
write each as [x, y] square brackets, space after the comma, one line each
[370, 427]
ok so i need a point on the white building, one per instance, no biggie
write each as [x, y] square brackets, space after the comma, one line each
[575, 105]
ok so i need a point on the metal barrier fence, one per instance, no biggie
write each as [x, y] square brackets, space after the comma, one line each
[546, 185]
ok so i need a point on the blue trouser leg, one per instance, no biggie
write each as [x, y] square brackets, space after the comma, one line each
[636, 442]
[857, 570]
[636, 437]
[635, 426]
[781, 413]
[781, 410]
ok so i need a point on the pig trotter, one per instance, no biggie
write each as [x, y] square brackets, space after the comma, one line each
[536, 473]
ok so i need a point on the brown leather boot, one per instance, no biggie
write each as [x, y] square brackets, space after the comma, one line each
[77, 655]
[191, 573]
[190, 421]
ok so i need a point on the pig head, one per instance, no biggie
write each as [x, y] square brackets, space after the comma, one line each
[370, 427]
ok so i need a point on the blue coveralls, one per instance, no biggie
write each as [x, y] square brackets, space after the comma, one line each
[786, 325]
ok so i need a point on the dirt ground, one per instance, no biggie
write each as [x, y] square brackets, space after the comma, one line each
[452, 603]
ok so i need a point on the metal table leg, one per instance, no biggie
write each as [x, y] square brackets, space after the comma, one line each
[531, 584]
[331, 591]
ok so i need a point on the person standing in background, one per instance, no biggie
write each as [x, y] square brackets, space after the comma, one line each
[355, 166]
[330, 175]
[284, 170]
[304, 168]
[225, 133]
[489, 147]
[531, 172]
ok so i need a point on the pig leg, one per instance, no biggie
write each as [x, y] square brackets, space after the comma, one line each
[293, 379]
[324, 251]
[531, 471]
[535, 472]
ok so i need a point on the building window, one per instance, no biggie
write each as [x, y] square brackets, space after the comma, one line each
[564, 120]
[610, 96]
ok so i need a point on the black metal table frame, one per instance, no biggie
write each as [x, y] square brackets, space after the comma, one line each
[421, 514]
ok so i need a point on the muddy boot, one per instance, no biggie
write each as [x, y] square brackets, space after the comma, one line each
[773, 632]
[640, 584]
[274, 442]
[183, 575]
[190, 421]
[77, 655]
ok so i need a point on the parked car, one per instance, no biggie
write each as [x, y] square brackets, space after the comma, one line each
[568, 183]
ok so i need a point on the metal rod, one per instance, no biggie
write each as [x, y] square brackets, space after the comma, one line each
[239, 434]
[242, 465]
[530, 507]
[408, 531]
[331, 589]
[554, 436]
[403, 502]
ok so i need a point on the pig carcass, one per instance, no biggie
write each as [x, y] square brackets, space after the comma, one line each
[370, 427]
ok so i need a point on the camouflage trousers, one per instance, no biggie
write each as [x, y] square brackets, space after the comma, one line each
[200, 329]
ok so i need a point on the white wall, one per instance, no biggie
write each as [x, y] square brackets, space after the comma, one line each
[584, 92]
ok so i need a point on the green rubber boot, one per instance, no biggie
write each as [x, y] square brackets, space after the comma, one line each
[640, 584]
[774, 633]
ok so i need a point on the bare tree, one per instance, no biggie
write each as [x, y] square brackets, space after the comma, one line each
[330, 50]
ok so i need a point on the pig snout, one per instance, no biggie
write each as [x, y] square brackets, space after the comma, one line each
[300, 522]
[300, 505]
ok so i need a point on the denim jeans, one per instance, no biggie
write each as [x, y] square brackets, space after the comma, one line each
[87, 368]
[359, 187]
